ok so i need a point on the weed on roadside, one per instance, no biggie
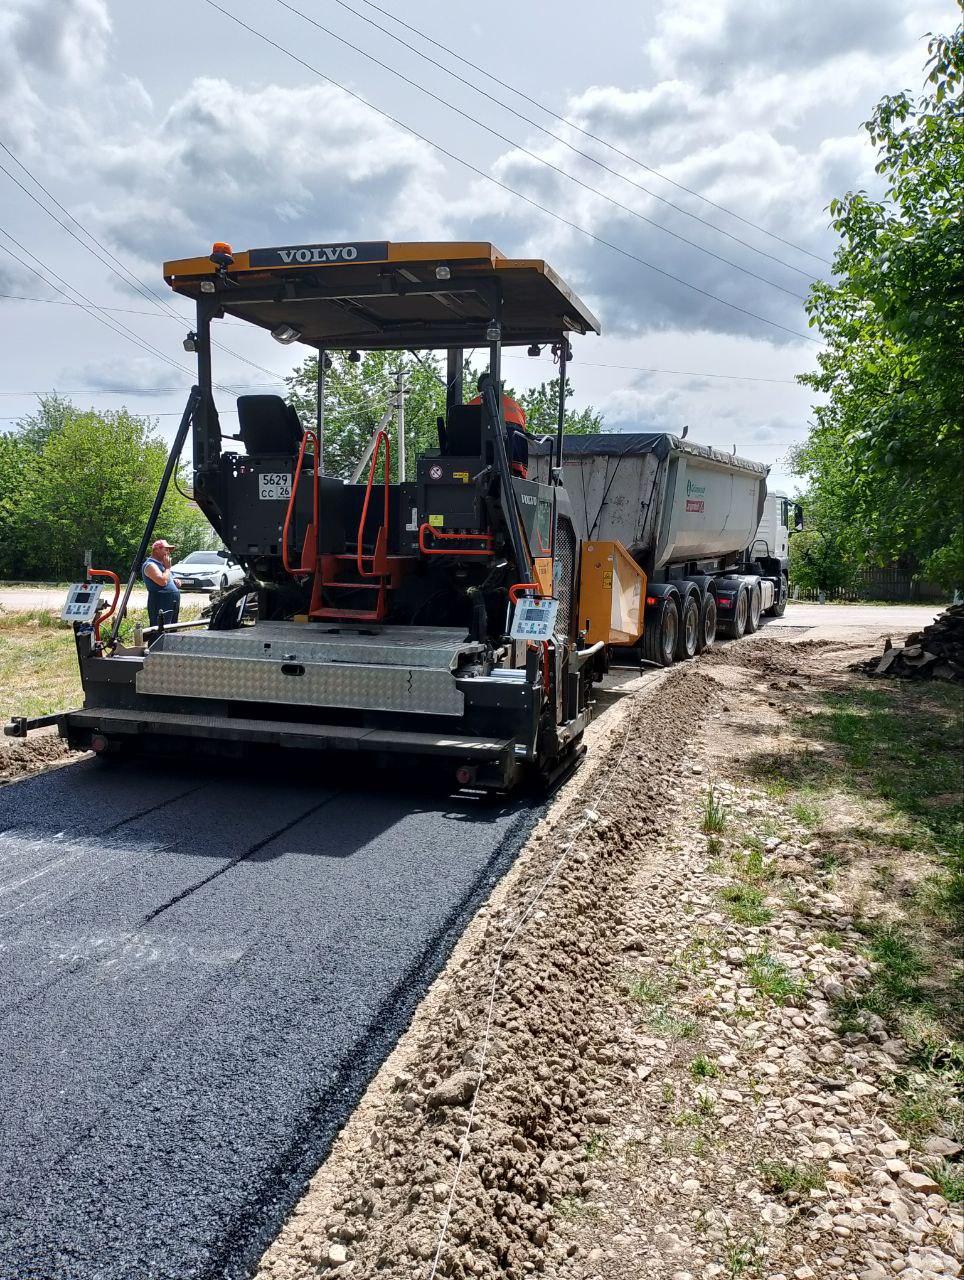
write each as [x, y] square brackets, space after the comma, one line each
[744, 903]
[703, 1068]
[644, 989]
[950, 1178]
[781, 1177]
[666, 1023]
[714, 815]
[743, 1258]
[773, 979]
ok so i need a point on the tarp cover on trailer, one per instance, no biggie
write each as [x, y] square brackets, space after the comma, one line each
[630, 444]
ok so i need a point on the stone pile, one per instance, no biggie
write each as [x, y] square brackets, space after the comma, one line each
[936, 653]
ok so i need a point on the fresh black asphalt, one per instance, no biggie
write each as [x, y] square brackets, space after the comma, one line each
[199, 973]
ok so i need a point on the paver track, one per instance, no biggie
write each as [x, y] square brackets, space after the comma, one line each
[198, 974]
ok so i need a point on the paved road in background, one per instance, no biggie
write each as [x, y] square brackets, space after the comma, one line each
[197, 979]
[910, 616]
[20, 599]
[884, 617]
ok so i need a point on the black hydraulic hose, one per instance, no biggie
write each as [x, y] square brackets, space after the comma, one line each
[193, 400]
[509, 505]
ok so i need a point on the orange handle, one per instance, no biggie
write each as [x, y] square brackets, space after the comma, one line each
[381, 438]
[308, 435]
[523, 586]
[425, 529]
[102, 617]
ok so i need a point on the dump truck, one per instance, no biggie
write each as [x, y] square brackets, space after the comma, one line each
[460, 616]
[712, 542]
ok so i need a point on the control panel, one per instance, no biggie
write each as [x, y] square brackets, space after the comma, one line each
[82, 601]
[534, 619]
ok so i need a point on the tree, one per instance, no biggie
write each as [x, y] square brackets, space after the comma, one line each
[884, 456]
[88, 481]
[818, 562]
[357, 393]
[541, 405]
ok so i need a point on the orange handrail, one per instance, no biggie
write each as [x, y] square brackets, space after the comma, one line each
[308, 435]
[387, 465]
[425, 529]
[102, 617]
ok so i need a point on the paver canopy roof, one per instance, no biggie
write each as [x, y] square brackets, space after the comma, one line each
[375, 294]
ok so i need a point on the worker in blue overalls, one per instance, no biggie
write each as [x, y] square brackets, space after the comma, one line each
[163, 596]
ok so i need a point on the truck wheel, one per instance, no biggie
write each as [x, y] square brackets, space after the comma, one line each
[688, 640]
[755, 610]
[783, 594]
[736, 626]
[707, 634]
[659, 638]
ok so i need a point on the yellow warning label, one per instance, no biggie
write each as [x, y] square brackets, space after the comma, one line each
[461, 475]
[436, 521]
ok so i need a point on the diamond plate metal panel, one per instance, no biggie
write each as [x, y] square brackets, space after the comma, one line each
[423, 647]
[372, 688]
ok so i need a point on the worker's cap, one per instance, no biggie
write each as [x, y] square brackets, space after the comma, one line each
[511, 410]
[162, 545]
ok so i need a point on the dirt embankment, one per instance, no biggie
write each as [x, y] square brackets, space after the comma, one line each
[685, 1075]
[383, 1201]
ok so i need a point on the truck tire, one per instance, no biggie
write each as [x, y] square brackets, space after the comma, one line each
[707, 634]
[659, 638]
[755, 610]
[778, 609]
[736, 625]
[688, 640]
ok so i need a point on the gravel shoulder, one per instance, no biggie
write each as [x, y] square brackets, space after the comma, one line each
[723, 1042]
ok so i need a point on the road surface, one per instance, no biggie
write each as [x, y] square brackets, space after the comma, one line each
[196, 981]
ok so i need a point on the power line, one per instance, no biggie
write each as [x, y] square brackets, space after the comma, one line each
[124, 311]
[596, 138]
[682, 373]
[91, 308]
[499, 102]
[574, 226]
[495, 133]
[127, 278]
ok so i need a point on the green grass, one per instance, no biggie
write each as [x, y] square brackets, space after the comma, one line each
[644, 990]
[39, 673]
[744, 903]
[950, 1178]
[807, 811]
[774, 980]
[780, 1177]
[750, 863]
[742, 1258]
[671, 1025]
[714, 814]
[703, 1068]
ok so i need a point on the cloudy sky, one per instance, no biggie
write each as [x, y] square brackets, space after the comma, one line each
[161, 127]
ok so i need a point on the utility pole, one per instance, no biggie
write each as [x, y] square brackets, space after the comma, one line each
[320, 409]
[400, 394]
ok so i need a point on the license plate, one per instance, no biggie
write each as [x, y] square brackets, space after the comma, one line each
[273, 485]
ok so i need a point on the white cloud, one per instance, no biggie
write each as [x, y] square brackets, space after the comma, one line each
[255, 165]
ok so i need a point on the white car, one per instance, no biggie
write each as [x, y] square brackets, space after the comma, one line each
[207, 571]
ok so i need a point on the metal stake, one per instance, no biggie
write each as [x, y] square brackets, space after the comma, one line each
[193, 400]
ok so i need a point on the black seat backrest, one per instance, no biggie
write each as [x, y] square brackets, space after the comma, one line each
[463, 431]
[268, 425]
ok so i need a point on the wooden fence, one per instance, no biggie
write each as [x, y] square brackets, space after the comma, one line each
[882, 584]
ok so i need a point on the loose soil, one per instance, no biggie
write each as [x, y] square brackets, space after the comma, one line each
[686, 1037]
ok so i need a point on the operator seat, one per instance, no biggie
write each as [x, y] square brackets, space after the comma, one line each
[463, 431]
[462, 437]
[267, 424]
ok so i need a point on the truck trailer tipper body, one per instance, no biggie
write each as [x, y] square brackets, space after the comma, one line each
[698, 522]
